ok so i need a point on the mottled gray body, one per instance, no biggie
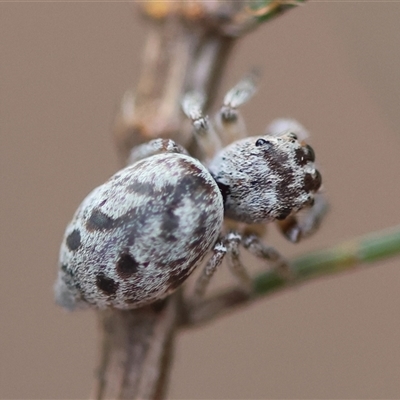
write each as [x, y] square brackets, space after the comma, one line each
[265, 178]
[137, 237]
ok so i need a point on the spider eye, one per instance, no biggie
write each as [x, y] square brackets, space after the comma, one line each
[262, 142]
[292, 135]
[311, 154]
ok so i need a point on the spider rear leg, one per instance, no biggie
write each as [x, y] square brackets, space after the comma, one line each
[295, 229]
[207, 139]
[229, 122]
[281, 125]
[156, 146]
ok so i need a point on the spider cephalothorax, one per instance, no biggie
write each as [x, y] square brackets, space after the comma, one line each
[266, 178]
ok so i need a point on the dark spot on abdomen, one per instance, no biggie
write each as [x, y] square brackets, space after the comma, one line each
[126, 265]
[99, 221]
[106, 284]
[169, 226]
[74, 240]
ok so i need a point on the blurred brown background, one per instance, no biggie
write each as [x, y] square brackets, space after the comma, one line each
[333, 66]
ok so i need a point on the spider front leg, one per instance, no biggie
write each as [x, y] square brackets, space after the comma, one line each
[232, 242]
[226, 247]
[295, 229]
[229, 247]
[254, 245]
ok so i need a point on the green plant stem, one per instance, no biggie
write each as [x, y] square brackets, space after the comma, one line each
[352, 254]
[348, 255]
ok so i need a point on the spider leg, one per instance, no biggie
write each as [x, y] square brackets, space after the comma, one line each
[253, 244]
[229, 122]
[156, 146]
[208, 140]
[201, 310]
[232, 242]
[295, 229]
[229, 247]
[202, 282]
[281, 125]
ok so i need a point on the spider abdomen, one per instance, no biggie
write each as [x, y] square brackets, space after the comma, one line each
[138, 236]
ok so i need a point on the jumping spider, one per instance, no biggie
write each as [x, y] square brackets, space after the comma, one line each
[138, 237]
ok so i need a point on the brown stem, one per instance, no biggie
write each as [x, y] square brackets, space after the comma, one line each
[136, 351]
[177, 58]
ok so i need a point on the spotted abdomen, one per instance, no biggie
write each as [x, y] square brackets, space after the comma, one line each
[137, 237]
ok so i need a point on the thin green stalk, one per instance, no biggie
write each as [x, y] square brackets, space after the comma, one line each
[359, 252]
[348, 255]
